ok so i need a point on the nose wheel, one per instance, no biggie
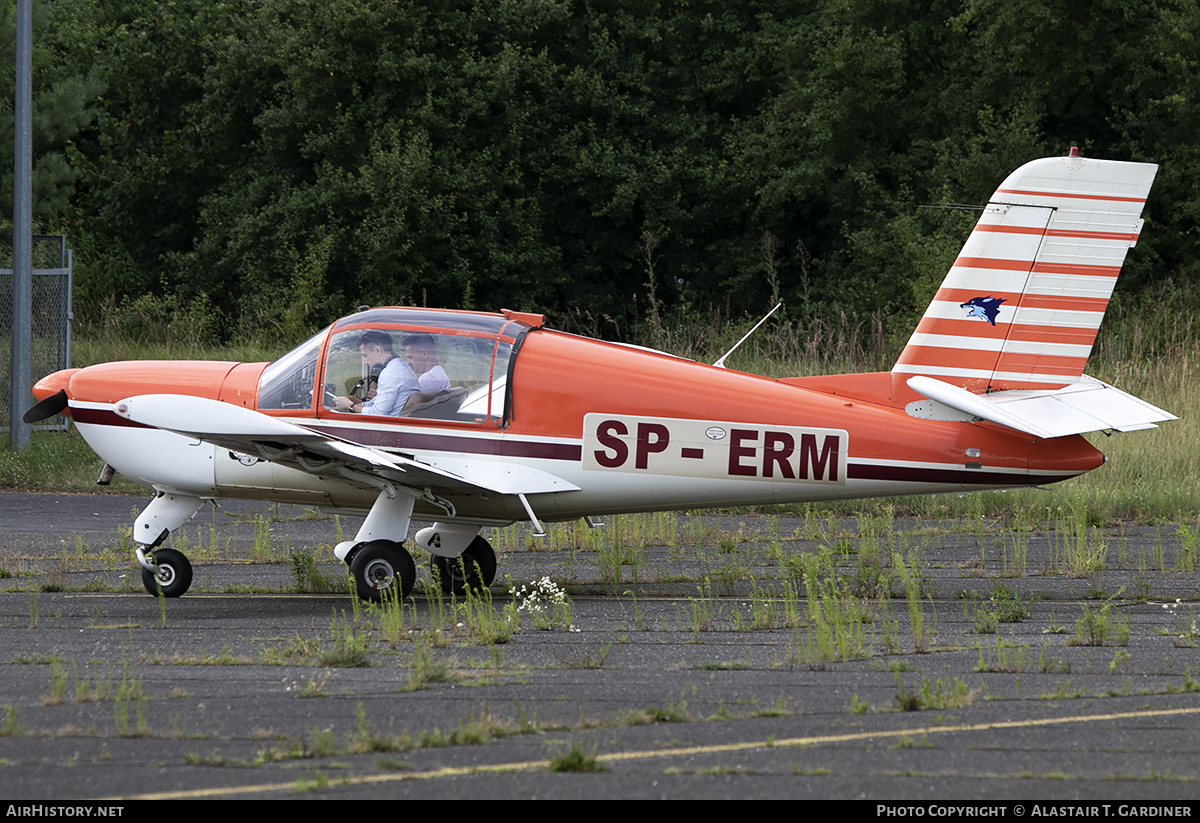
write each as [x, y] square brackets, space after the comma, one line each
[382, 566]
[474, 570]
[172, 574]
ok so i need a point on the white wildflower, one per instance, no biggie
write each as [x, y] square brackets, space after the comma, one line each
[545, 602]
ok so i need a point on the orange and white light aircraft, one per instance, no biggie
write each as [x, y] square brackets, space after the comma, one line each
[495, 418]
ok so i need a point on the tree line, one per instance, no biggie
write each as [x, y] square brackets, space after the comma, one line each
[279, 162]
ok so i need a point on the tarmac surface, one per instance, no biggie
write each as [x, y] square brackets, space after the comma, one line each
[1052, 664]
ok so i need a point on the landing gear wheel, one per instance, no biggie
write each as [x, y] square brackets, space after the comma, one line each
[173, 575]
[380, 566]
[474, 570]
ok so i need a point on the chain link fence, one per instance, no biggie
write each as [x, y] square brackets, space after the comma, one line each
[51, 326]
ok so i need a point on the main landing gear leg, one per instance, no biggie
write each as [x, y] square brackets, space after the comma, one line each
[378, 563]
[164, 571]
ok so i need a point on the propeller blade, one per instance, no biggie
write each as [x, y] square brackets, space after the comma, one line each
[46, 407]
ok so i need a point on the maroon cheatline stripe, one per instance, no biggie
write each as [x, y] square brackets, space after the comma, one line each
[974, 477]
[103, 417]
[451, 443]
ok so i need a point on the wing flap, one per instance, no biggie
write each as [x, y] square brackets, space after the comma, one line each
[502, 477]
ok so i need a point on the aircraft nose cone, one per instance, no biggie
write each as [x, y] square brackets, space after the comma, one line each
[52, 383]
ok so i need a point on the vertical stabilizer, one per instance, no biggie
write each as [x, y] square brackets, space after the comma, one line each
[1020, 307]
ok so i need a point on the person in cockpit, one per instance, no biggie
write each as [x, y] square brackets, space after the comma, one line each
[397, 382]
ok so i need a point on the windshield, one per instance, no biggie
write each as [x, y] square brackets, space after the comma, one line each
[288, 382]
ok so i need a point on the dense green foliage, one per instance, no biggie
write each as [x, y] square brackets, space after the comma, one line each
[270, 164]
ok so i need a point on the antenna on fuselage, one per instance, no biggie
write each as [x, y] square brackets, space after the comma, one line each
[720, 364]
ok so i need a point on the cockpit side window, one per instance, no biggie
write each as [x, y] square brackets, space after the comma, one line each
[416, 374]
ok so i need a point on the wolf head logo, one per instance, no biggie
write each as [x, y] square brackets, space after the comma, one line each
[983, 308]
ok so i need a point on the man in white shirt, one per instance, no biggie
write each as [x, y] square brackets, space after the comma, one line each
[421, 351]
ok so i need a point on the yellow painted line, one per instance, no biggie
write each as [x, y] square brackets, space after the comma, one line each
[614, 757]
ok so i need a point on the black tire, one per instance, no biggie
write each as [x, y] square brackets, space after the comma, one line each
[378, 565]
[473, 570]
[174, 575]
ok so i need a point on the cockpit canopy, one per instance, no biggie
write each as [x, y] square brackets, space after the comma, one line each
[441, 365]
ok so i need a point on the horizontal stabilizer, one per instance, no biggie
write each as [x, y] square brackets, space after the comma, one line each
[1086, 406]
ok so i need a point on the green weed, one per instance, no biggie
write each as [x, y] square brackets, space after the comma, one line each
[390, 610]
[1003, 605]
[576, 758]
[912, 596]
[491, 625]
[1188, 557]
[1007, 657]
[347, 648]
[10, 722]
[423, 665]
[837, 617]
[214, 758]
[670, 712]
[939, 695]
[1098, 627]
[308, 577]
[130, 709]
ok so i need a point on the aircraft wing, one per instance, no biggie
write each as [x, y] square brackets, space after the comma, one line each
[279, 441]
[1087, 406]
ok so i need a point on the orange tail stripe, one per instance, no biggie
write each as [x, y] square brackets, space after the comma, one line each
[960, 296]
[993, 263]
[1077, 268]
[1073, 196]
[970, 328]
[952, 355]
[1048, 334]
[999, 264]
[959, 358]
[1082, 235]
[1124, 236]
[1029, 299]
[1009, 229]
[1064, 301]
[962, 328]
[979, 329]
[1040, 363]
